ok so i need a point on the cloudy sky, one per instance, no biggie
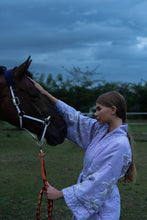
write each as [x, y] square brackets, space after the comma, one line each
[108, 34]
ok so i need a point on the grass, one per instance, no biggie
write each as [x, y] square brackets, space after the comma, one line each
[21, 178]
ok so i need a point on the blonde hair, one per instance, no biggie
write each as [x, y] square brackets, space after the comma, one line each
[114, 98]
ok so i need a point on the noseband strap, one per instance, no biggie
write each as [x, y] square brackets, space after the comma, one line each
[21, 114]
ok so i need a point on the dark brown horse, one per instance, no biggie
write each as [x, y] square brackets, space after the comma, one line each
[32, 103]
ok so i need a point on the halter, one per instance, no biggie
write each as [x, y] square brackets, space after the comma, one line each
[46, 122]
[21, 114]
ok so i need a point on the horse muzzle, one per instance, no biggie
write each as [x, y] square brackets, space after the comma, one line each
[55, 136]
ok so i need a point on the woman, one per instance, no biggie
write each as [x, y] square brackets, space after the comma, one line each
[108, 157]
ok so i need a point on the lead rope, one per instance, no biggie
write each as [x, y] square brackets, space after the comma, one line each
[44, 188]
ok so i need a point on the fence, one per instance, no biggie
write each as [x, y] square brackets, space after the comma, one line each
[91, 113]
[139, 118]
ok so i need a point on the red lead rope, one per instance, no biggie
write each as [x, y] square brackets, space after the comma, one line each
[49, 202]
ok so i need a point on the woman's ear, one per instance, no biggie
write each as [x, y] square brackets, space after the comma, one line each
[113, 110]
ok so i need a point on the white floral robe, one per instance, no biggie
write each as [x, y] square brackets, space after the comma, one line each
[96, 196]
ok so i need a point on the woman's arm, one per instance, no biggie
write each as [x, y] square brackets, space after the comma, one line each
[80, 129]
[44, 92]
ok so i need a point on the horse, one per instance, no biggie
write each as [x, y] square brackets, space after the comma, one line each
[24, 106]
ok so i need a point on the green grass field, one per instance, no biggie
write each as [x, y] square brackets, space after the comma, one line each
[21, 178]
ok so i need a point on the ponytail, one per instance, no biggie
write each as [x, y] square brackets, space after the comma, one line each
[131, 172]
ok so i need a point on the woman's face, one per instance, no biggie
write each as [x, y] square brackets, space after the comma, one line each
[103, 114]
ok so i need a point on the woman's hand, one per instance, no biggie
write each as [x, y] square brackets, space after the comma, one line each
[44, 92]
[37, 85]
[52, 193]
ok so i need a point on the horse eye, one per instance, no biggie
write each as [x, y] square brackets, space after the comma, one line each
[35, 94]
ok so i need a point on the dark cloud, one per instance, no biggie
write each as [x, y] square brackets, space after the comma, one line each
[110, 34]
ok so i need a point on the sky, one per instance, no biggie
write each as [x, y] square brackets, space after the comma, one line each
[110, 35]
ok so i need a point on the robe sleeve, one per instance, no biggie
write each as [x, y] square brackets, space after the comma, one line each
[87, 197]
[80, 129]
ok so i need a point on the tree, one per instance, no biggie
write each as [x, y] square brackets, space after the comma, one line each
[81, 90]
[140, 96]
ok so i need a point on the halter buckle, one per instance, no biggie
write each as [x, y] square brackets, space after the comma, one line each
[16, 101]
[47, 120]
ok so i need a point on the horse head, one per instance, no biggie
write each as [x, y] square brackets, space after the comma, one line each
[31, 102]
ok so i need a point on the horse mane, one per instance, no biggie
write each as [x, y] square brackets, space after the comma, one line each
[3, 69]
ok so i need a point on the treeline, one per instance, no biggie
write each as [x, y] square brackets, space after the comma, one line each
[81, 89]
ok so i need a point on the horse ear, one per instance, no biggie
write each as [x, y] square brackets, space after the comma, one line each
[21, 70]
